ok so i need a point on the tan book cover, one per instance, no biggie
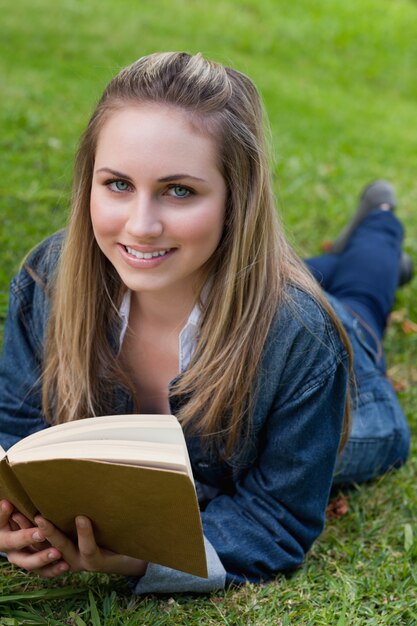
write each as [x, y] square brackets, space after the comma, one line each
[130, 475]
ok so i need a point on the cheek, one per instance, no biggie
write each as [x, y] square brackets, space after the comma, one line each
[104, 219]
[206, 227]
[203, 233]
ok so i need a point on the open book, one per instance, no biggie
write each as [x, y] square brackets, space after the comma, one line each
[130, 474]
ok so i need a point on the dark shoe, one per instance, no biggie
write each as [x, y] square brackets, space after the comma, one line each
[375, 194]
[406, 269]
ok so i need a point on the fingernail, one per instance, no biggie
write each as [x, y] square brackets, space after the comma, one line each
[39, 522]
[81, 522]
[51, 556]
[37, 536]
[63, 567]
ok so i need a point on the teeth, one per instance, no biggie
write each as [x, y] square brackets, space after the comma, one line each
[145, 255]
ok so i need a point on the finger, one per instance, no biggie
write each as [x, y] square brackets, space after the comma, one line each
[6, 509]
[86, 541]
[12, 519]
[20, 539]
[57, 539]
[56, 569]
[32, 561]
[13, 525]
[21, 520]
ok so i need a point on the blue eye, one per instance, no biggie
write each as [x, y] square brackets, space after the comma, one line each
[118, 185]
[178, 191]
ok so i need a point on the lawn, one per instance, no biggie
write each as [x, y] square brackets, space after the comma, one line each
[339, 84]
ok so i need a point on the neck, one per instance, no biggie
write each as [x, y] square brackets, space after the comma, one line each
[163, 310]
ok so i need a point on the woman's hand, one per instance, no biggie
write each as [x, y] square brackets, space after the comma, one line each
[87, 556]
[25, 545]
[46, 551]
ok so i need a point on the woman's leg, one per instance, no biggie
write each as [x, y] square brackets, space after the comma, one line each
[364, 276]
[365, 281]
[323, 268]
[379, 438]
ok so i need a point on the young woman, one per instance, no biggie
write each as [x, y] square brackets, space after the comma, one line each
[174, 290]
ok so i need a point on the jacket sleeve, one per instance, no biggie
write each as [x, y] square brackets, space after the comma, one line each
[278, 506]
[20, 363]
[159, 579]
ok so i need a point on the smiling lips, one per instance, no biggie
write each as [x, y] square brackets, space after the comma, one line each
[146, 255]
[145, 260]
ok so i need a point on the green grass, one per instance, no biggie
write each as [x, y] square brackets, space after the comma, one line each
[339, 84]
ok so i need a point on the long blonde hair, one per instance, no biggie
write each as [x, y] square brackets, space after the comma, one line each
[250, 270]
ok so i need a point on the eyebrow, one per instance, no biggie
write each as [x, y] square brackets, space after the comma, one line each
[113, 173]
[168, 179]
[164, 179]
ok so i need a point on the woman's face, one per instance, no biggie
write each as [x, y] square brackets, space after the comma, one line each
[157, 198]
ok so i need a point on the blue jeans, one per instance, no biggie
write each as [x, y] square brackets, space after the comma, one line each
[362, 282]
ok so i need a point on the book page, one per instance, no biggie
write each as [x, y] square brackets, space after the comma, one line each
[164, 428]
[163, 433]
[143, 453]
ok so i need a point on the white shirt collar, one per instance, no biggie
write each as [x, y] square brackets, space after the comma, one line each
[124, 316]
[187, 337]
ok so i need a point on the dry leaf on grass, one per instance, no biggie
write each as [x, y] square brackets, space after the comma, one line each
[337, 507]
[399, 317]
[396, 317]
[409, 327]
[326, 245]
[402, 376]
[399, 384]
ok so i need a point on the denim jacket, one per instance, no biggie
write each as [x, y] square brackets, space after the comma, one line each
[273, 491]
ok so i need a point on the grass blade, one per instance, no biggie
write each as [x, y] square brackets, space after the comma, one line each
[43, 594]
[95, 618]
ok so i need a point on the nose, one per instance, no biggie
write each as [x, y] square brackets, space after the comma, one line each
[144, 221]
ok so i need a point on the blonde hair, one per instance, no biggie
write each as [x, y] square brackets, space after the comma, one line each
[250, 270]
